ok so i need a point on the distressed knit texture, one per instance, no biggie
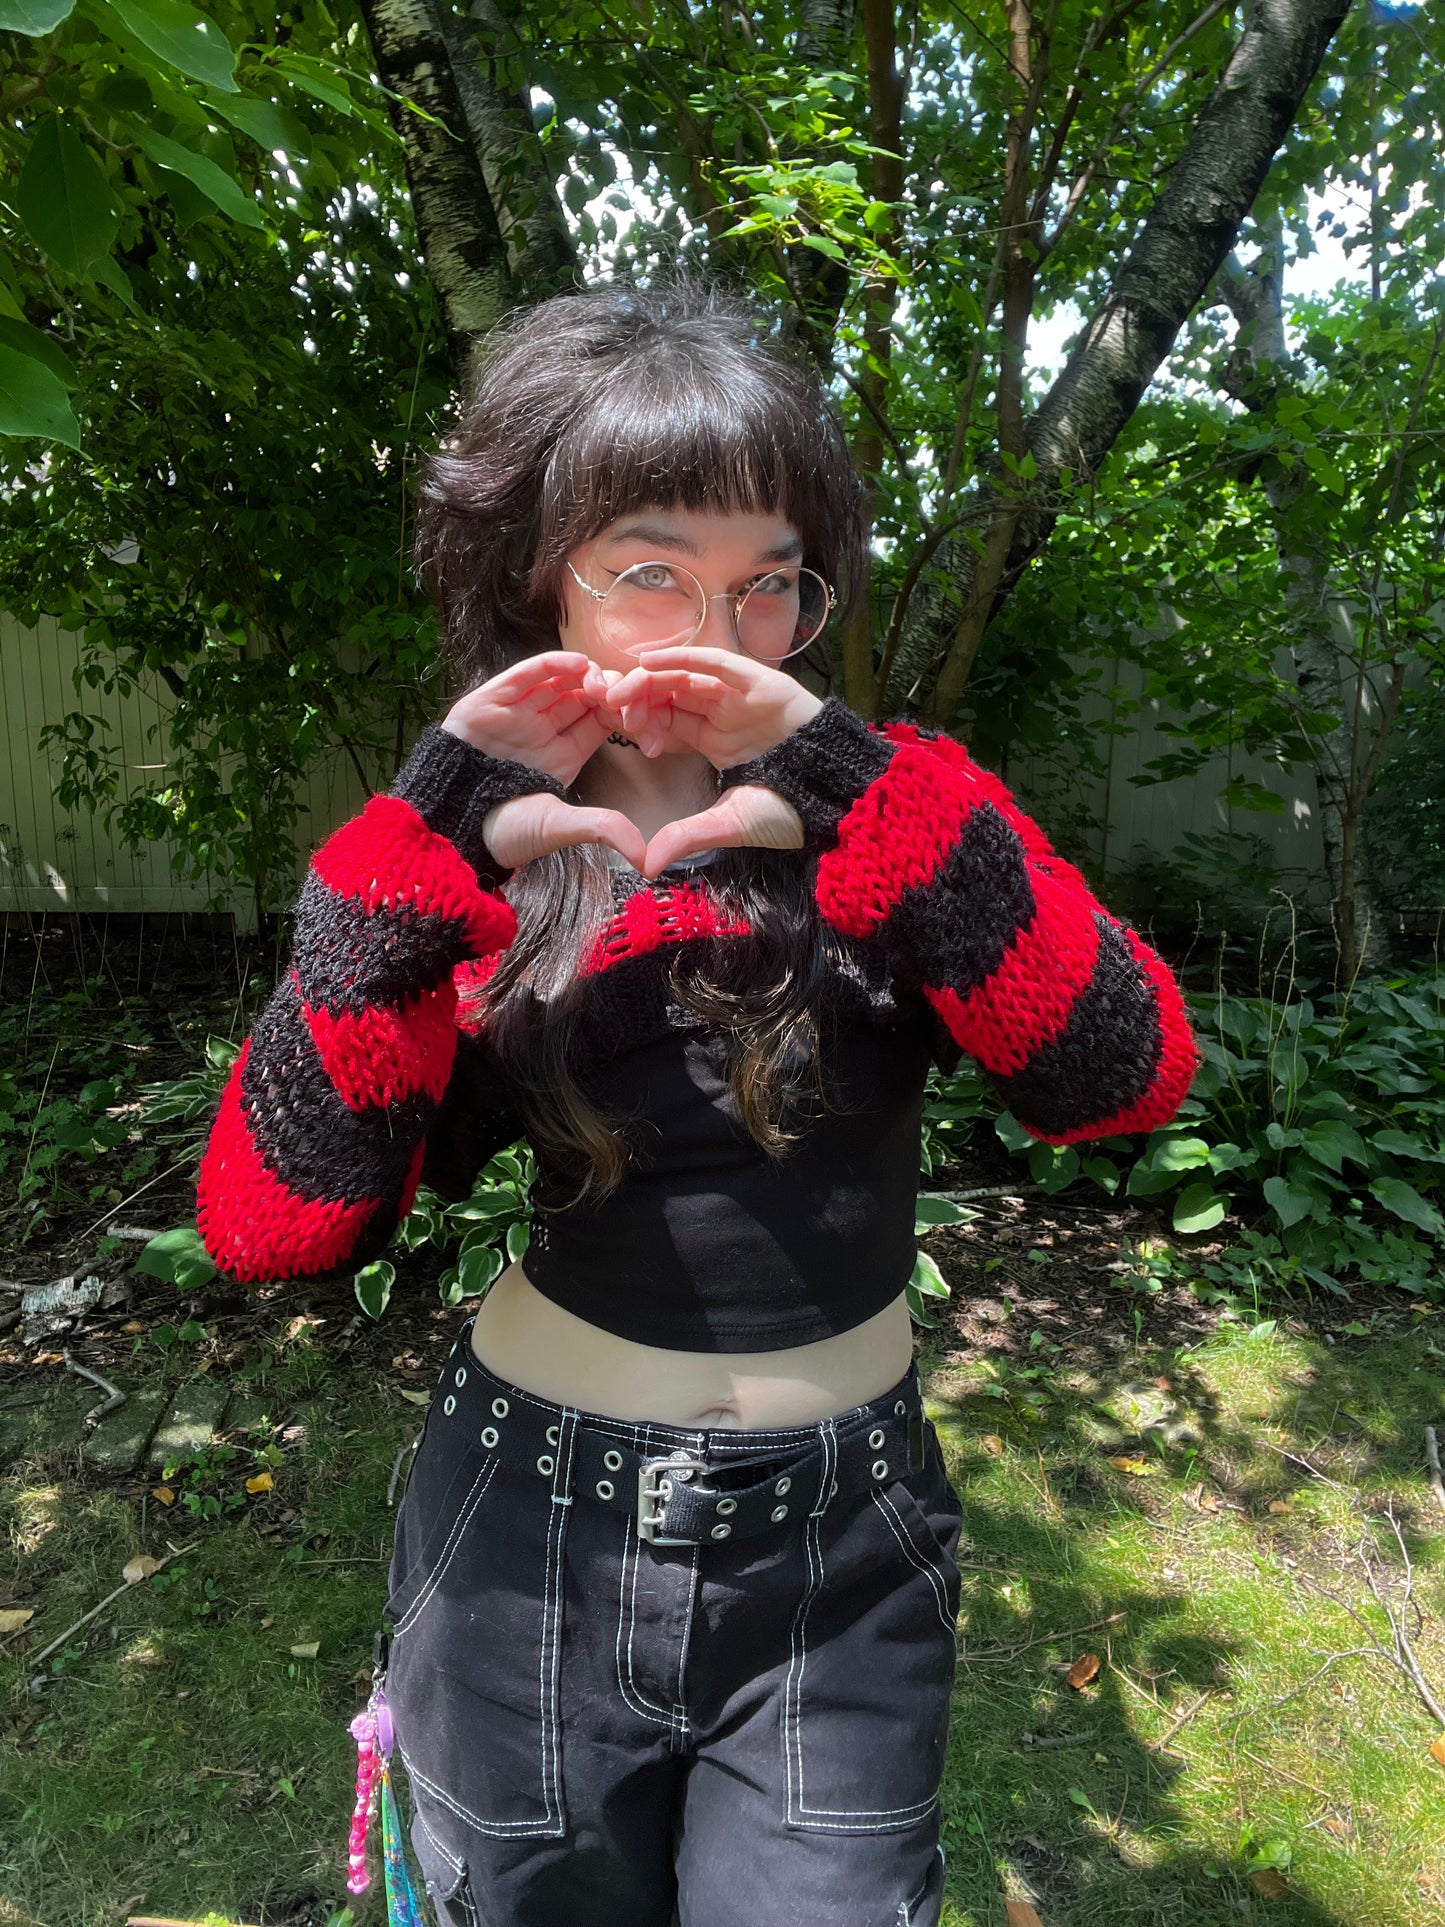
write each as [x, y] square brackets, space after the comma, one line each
[944, 903]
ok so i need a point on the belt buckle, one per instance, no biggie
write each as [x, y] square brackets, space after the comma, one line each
[654, 1489]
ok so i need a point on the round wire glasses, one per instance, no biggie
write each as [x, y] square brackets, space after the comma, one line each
[657, 604]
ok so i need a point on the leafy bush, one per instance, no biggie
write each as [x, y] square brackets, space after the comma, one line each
[1319, 1122]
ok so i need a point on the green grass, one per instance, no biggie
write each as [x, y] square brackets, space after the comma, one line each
[181, 1753]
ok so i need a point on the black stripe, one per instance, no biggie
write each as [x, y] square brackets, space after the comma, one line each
[348, 957]
[957, 928]
[314, 1142]
[1107, 1055]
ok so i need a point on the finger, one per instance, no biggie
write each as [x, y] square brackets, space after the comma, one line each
[712, 829]
[663, 684]
[516, 681]
[741, 671]
[576, 825]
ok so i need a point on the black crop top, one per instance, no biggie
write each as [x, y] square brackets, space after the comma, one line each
[709, 1244]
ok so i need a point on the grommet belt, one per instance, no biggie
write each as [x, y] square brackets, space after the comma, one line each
[691, 1494]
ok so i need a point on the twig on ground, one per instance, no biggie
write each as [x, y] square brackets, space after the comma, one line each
[1350, 1652]
[1273, 1766]
[984, 1191]
[1161, 1744]
[1044, 1639]
[95, 1611]
[1036, 1743]
[1432, 1459]
[1295, 1459]
[138, 1234]
[150, 1184]
[114, 1399]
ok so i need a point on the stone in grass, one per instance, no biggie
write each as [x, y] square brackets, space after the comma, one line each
[251, 1414]
[119, 1442]
[190, 1425]
[34, 1427]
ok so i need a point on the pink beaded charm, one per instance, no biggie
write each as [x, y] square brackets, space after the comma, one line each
[368, 1774]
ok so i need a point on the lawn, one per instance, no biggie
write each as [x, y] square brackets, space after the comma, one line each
[1179, 1503]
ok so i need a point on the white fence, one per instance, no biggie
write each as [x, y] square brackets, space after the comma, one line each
[55, 860]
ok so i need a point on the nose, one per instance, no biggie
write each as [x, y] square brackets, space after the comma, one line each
[719, 630]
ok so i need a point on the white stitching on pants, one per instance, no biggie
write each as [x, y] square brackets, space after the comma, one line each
[627, 1601]
[893, 1519]
[498, 1830]
[449, 1550]
[824, 1819]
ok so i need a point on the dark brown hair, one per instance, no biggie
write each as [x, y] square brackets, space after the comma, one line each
[588, 407]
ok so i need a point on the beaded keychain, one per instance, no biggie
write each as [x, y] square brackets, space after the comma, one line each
[374, 1735]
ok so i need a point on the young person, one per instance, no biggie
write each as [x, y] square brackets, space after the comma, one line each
[674, 1586]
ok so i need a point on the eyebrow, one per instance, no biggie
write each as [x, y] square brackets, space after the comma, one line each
[670, 538]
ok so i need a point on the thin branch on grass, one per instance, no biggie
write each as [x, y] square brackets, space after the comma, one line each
[1273, 1766]
[1295, 1459]
[110, 1598]
[1044, 1639]
[1351, 1652]
[1159, 1745]
[114, 1398]
[1432, 1460]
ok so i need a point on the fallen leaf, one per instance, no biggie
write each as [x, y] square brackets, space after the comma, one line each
[1082, 1671]
[417, 1398]
[1021, 1913]
[1207, 1501]
[268, 1622]
[1437, 1750]
[1163, 1385]
[1272, 1885]
[15, 1618]
[1136, 1468]
[1276, 1506]
[48, 1358]
[164, 1494]
[307, 1649]
[263, 1482]
[1339, 1828]
[138, 1568]
[132, 1326]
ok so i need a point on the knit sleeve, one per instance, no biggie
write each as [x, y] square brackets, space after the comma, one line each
[1080, 1026]
[318, 1146]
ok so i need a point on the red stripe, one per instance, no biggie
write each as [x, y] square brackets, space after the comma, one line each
[387, 858]
[471, 979]
[987, 787]
[646, 922]
[894, 837]
[1178, 1059]
[379, 1055]
[255, 1226]
[1028, 1000]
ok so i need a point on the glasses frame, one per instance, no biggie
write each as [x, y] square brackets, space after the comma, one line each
[726, 595]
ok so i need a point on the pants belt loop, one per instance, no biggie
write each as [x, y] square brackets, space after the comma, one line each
[564, 1457]
[827, 1472]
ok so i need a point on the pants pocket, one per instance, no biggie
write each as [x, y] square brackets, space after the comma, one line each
[870, 1678]
[474, 1673]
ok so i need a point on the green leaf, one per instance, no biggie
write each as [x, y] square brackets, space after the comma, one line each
[108, 273]
[823, 244]
[1199, 1207]
[930, 1211]
[478, 1269]
[267, 123]
[1291, 1203]
[64, 198]
[519, 1236]
[1405, 1201]
[1332, 1142]
[214, 182]
[1178, 1154]
[1104, 1172]
[373, 1285]
[25, 340]
[178, 1255]
[33, 401]
[927, 1282]
[1011, 1133]
[34, 17]
[183, 38]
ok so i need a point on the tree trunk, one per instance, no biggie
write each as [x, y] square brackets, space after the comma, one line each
[492, 79]
[1326, 648]
[1181, 246]
[466, 256]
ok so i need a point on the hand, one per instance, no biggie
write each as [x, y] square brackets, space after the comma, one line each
[749, 815]
[727, 706]
[543, 711]
[530, 826]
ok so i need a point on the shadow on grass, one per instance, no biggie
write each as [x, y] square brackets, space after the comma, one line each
[1105, 1803]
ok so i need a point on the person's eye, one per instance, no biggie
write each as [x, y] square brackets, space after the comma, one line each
[780, 582]
[654, 575]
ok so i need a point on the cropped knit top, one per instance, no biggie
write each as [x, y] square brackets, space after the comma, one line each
[950, 926]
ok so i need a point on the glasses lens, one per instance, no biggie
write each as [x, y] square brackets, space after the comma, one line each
[782, 613]
[650, 604]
